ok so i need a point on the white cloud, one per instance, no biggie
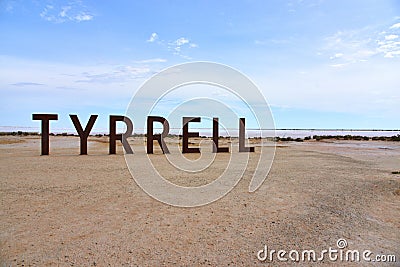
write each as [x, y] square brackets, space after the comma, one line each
[395, 26]
[337, 55]
[74, 11]
[181, 41]
[360, 45]
[83, 17]
[44, 14]
[153, 37]
[391, 37]
[64, 11]
[177, 46]
[338, 65]
[349, 46]
[392, 54]
[151, 60]
[389, 48]
[27, 84]
[116, 75]
[51, 75]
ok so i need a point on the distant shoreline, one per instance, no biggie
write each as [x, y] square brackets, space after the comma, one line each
[276, 138]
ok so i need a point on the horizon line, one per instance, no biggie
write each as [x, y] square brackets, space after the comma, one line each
[249, 129]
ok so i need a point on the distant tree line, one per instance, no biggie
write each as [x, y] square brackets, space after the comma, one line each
[340, 137]
[277, 139]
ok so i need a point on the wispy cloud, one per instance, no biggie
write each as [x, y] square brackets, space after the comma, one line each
[180, 43]
[352, 46]
[72, 84]
[153, 37]
[337, 55]
[272, 42]
[151, 60]
[83, 17]
[176, 46]
[338, 65]
[20, 84]
[389, 46]
[72, 11]
[395, 26]
[7, 6]
[391, 37]
[116, 75]
[349, 47]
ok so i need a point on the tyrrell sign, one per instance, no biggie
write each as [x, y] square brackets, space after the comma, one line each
[84, 133]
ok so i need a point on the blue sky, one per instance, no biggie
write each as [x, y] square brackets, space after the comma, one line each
[320, 64]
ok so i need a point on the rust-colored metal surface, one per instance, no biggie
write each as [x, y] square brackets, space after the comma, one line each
[158, 137]
[216, 148]
[83, 134]
[122, 137]
[45, 118]
[242, 147]
[186, 135]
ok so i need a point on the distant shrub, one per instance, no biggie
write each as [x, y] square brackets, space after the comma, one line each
[340, 137]
[395, 138]
[347, 137]
[286, 139]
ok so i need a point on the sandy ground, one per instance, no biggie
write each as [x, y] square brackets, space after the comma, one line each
[65, 209]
